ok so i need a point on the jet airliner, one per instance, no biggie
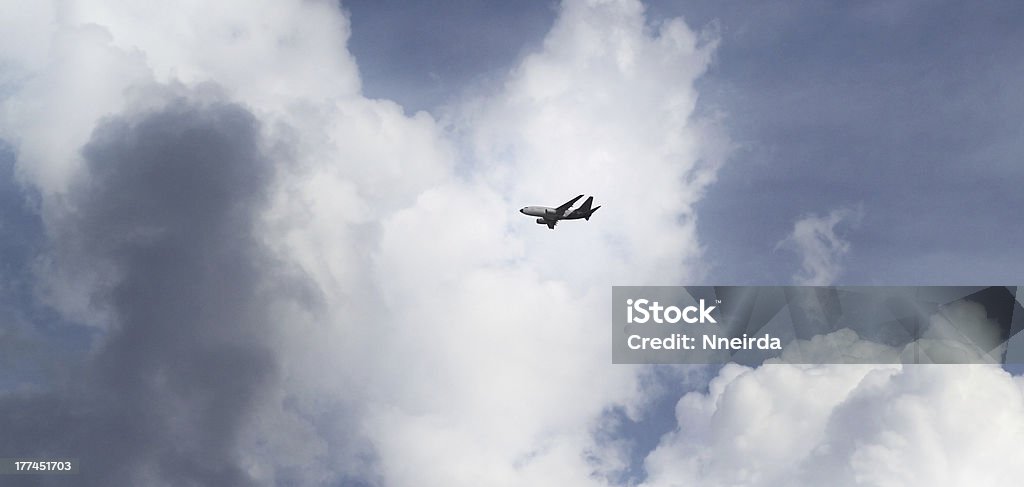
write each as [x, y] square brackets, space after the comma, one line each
[551, 216]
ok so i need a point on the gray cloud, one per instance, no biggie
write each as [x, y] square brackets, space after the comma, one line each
[167, 207]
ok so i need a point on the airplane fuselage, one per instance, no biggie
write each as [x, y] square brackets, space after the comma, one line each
[548, 213]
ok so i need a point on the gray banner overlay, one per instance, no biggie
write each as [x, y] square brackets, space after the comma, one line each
[752, 325]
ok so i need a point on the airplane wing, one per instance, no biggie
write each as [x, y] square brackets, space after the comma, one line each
[562, 209]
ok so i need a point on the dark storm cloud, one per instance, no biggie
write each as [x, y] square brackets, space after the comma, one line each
[167, 206]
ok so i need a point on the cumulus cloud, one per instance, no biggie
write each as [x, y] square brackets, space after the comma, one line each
[863, 418]
[507, 382]
[820, 248]
[297, 284]
[847, 425]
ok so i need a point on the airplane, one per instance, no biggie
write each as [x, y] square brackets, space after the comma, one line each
[550, 216]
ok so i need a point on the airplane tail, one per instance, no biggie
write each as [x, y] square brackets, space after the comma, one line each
[591, 213]
[584, 210]
[586, 204]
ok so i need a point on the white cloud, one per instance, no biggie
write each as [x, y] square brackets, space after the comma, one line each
[847, 425]
[437, 331]
[500, 323]
[871, 421]
[820, 248]
[605, 109]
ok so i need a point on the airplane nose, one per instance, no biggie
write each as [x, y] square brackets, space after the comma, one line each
[522, 210]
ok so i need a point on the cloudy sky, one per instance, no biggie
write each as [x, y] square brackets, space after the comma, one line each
[276, 242]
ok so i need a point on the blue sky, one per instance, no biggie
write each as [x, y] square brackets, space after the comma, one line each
[275, 243]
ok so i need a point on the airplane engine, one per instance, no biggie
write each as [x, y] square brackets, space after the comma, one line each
[542, 221]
